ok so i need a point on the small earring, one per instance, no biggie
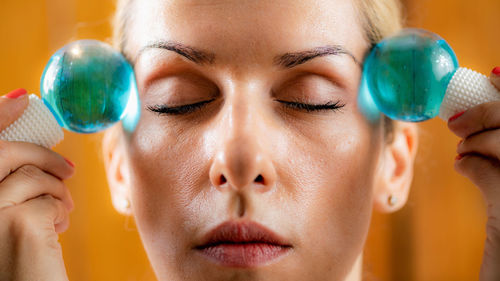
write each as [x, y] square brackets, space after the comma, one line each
[124, 204]
[392, 200]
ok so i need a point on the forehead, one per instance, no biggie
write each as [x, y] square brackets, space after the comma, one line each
[247, 29]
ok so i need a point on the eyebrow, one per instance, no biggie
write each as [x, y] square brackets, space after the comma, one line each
[289, 60]
[286, 60]
[193, 54]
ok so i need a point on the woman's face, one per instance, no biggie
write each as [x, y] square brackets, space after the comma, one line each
[248, 152]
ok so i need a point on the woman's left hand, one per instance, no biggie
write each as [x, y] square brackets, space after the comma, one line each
[479, 160]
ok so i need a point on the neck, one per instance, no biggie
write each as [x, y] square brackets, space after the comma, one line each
[355, 273]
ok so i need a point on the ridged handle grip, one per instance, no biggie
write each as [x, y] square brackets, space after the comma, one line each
[466, 89]
[37, 125]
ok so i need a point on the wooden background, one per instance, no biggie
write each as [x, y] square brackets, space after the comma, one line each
[439, 235]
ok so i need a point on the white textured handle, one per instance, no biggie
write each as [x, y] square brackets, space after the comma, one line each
[467, 88]
[37, 125]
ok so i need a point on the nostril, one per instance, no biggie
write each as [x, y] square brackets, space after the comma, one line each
[259, 179]
[222, 180]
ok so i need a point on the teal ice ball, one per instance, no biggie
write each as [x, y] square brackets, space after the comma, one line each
[87, 85]
[407, 74]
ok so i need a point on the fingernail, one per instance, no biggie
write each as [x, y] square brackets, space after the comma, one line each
[455, 116]
[496, 71]
[16, 94]
[459, 156]
[70, 163]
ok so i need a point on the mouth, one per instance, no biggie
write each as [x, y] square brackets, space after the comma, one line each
[242, 244]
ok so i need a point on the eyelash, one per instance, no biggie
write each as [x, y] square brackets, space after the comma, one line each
[177, 110]
[313, 107]
[189, 108]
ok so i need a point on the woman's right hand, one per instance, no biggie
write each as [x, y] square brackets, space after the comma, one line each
[34, 204]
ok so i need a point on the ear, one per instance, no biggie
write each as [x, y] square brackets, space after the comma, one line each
[116, 169]
[395, 172]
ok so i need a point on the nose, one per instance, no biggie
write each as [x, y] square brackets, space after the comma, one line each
[242, 159]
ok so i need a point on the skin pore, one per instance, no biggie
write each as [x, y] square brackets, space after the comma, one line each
[249, 151]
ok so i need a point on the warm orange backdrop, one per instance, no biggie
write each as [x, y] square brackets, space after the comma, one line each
[438, 236]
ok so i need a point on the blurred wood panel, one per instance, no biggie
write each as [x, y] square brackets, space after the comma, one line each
[439, 235]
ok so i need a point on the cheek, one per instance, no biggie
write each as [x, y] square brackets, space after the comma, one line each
[167, 172]
[341, 205]
[332, 176]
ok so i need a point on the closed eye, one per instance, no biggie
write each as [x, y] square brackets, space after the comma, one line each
[313, 107]
[177, 110]
[162, 109]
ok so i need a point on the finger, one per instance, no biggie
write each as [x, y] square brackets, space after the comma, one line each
[485, 116]
[62, 226]
[36, 218]
[13, 155]
[32, 227]
[495, 77]
[48, 211]
[486, 143]
[483, 172]
[29, 182]
[12, 107]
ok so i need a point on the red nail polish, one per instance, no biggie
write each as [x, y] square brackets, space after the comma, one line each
[459, 156]
[69, 162]
[455, 116]
[16, 94]
[496, 71]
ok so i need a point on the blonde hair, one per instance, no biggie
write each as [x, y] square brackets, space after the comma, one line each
[121, 22]
[380, 18]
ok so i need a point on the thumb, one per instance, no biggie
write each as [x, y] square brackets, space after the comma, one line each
[495, 77]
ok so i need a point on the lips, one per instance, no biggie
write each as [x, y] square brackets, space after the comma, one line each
[242, 244]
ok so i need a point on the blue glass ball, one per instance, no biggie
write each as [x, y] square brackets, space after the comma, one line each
[88, 85]
[407, 74]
